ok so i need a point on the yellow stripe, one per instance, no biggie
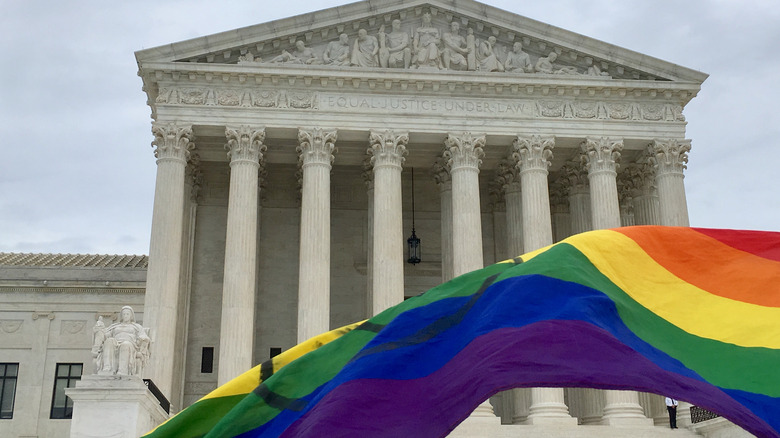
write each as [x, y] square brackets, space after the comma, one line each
[249, 380]
[690, 308]
[529, 255]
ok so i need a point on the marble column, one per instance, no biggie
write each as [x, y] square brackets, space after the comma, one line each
[387, 149]
[559, 210]
[508, 178]
[644, 194]
[464, 155]
[625, 199]
[368, 179]
[442, 177]
[173, 143]
[670, 157]
[601, 156]
[315, 157]
[622, 408]
[534, 154]
[236, 337]
[575, 180]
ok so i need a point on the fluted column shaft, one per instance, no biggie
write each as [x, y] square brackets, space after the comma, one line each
[601, 156]
[534, 154]
[316, 154]
[671, 157]
[442, 177]
[368, 178]
[464, 153]
[245, 148]
[640, 179]
[388, 149]
[646, 210]
[559, 209]
[623, 408]
[513, 198]
[163, 275]
[579, 208]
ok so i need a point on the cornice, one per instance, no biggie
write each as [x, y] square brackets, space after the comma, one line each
[378, 78]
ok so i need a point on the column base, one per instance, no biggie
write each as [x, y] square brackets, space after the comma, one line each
[539, 419]
[549, 412]
[627, 421]
[113, 406]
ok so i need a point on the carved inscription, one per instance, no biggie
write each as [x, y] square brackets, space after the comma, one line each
[424, 105]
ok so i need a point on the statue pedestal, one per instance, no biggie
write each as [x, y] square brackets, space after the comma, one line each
[113, 407]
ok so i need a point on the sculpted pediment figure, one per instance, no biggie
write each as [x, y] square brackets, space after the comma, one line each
[429, 36]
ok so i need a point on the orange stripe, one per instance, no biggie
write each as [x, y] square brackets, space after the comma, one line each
[740, 268]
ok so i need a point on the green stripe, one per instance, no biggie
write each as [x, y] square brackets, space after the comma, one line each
[198, 419]
[725, 365]
[304, 375]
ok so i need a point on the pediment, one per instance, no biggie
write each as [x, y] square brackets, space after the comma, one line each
[305, 41]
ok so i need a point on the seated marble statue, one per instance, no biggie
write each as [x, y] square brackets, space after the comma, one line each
[426, 45]
[517, 61]
[337, 52]
[122, 349]
[455, 49]
[365, 50]
[394, 50]
[486, 55]
[546, 65]
[301, 55]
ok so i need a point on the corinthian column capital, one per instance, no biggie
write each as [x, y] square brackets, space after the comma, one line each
[533, 152]
[669, 155]
[387, 147]
[508, 175]
[172, 141]
[441, 173]
[573, 175]
[245, 143]
[639, 178]
[601, 154]
[464, 150]
[316, 146]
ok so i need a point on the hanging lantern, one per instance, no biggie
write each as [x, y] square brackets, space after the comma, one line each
[413, 242]
[414, 248]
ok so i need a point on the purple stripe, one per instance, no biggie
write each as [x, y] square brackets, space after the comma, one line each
[548, 353]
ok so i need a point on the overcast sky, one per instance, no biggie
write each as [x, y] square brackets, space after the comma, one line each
[77, 170]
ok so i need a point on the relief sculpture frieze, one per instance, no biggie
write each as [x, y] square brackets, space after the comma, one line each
[429, 41]
[261, 98]
[527, 108]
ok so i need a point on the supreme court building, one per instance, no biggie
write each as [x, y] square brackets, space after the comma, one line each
[295, 157]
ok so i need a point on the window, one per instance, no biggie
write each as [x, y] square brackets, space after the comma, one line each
[8, 374]
[207, 360]
[67, 376]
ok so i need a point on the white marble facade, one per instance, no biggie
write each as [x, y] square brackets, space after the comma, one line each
[520, 134]
[284, 151]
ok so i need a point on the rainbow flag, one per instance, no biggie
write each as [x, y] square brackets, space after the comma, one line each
[684, 312]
